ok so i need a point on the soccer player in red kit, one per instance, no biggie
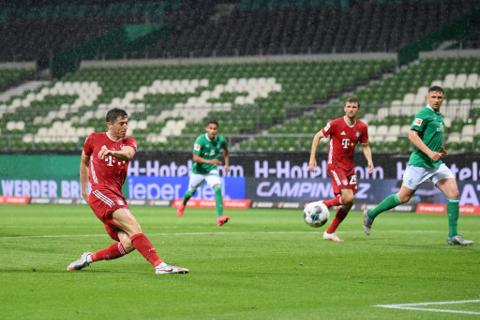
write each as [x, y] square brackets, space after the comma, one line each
[104, 162]
[344, 133]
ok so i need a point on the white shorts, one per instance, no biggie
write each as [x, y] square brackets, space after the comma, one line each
[196, 180]
[415, 176]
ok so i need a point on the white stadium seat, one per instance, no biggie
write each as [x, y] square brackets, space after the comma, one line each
[409, 99]
[375, 138]
[396, 103]
[467, 138]
[460, 80]
[396, 110]
[472, 80]
[448, 122]
[394, 130]
[383, 113]
[419, 99]
[449, 81]
[454, 137]
[382, 130]
[390, 139]
[468, 131]
[404, 129]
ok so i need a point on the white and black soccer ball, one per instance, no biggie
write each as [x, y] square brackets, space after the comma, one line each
[316, 214]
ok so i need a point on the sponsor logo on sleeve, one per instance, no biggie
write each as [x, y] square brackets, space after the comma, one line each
[325, 130]
[196, 147]
[417, 121]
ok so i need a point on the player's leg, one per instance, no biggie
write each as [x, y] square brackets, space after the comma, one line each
[390, 202]
[125, 221]
[347, 195]
[115, 250]
[336, 178]
[412, 178]
[450, 190]
[445, 181]
[335, 201]
[393, 200]
[214, 181]
[342, 211]
[339, 181]
[221, 218]
[195, 181]
[119, 248]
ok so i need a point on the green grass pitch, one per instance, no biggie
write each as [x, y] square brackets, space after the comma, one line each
[264, 264]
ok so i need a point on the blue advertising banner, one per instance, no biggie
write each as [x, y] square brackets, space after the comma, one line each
[368, 191]
[305, 190]
[163, 176]
[171, 188]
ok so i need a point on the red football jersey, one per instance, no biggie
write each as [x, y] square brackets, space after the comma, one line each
[343, 139]
[108, 173]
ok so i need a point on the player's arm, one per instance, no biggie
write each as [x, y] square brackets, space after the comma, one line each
[312, 163]
[84, 163]
[126, 153]
[417, 142]
[367, 152]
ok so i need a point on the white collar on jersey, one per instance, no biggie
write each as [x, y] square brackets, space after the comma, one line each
[430, 107]
[346, 122]
[208, 138]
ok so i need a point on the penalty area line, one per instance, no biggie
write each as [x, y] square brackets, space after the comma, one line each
[419, 306]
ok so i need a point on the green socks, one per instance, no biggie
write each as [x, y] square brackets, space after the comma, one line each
[388, 203]
[392, 201]
[218, 200]
[187, 197]
[452, 213]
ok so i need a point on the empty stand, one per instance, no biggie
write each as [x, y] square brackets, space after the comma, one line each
[169, 104]
[260, 27]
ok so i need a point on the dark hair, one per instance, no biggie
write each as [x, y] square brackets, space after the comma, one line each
[435, 89]
[212, 121]
[114, 113]
[353, 100]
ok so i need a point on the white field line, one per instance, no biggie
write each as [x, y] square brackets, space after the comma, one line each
[167, 234]
[417, 306]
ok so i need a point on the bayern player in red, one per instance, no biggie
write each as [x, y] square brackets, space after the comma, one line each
[104, 163]
[344, 134]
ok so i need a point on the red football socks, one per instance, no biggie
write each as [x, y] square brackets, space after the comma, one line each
[336, 201]
[115, 250]
[339, 216]
[145, 247]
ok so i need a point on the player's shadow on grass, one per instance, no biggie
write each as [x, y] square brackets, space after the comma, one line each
[436, 247]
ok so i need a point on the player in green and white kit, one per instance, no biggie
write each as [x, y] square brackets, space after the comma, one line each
[206, 157]
[426, 134]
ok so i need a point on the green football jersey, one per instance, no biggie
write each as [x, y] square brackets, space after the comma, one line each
[431, 128]
[207, 149]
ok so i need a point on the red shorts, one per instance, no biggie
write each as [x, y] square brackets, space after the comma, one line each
[104, 203]
[342, 179]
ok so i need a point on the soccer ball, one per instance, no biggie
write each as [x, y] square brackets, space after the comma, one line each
[316, 214]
